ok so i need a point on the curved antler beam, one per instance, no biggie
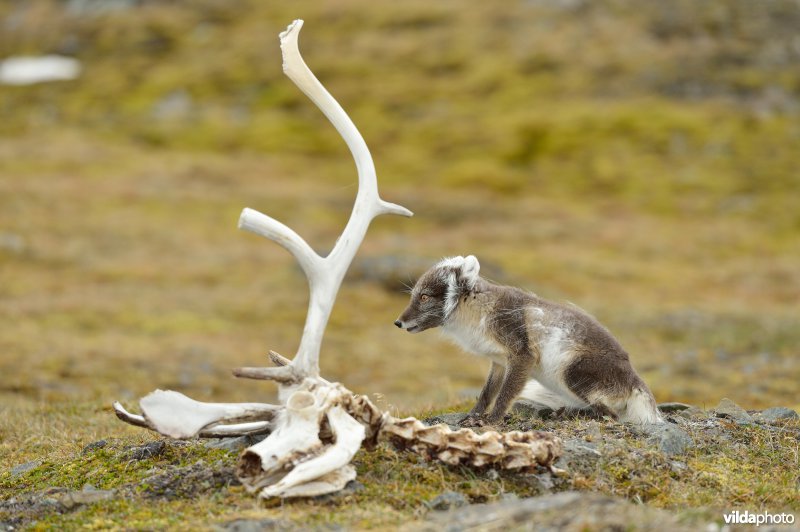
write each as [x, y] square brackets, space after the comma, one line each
[324, 274]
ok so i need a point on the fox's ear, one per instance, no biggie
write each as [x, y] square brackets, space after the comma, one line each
[470, 270]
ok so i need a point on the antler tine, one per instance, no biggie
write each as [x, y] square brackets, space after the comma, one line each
[324, 274]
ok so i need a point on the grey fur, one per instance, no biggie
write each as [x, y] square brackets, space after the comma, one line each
[573, 357]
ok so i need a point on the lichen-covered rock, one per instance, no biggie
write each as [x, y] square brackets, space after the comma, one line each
[236, 444]
[778, 413]
[670, 438]
[569, 510]
[728, 409]
[447, 501]
[673, 407]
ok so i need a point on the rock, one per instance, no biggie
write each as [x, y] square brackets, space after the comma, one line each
[693, 413]
[148, 450]
[24, 468]
[72, 499]
[676, 465]
[569, 510]
[236, 444]
[778, 413]
[99, 444]
[447, 501]
[254, 525]
[670, 438]
[673, 407]
[451, 420]
[545, 482]
[728, 409]
[577, 452]
[186, 482]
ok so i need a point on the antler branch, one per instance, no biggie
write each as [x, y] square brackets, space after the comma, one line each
[324, 274]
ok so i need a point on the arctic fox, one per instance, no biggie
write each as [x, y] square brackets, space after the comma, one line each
[552, 354]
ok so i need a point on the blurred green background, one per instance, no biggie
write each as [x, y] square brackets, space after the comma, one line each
[640, 159]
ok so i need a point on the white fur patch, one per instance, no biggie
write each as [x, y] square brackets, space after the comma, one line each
[554, 357]
[470, 270]
[451, 297]
[538, 393]
[451, 262]
[475, 339]
[640, 408]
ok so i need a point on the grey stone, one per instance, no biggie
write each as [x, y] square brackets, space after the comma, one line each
[545, 481]
[673, 407]
[670, 438]
[447, 501]
[148, 450]
[254, 525]
[99, 444]
[577, 452]
[86, 496]
[728, 409]
[24, 468]
[451, 420]
[778, 413]
[693, 413]
[676, 465]
[569, 510]
[236, 444]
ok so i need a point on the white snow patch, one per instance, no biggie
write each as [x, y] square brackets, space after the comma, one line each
[29, 70]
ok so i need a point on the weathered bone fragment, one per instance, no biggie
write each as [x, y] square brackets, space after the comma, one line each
[319, 426]
[172, 406]
[174, 414]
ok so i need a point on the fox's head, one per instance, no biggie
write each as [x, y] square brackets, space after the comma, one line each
[437, 292]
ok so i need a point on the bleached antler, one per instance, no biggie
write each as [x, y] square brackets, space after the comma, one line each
[324, 274]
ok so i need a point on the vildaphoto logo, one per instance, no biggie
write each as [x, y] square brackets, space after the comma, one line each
[751, 518]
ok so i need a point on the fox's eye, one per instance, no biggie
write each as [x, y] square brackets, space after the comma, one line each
[424, 297]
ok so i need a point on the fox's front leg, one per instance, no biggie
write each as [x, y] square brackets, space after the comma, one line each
[516, 375]
[487, 396]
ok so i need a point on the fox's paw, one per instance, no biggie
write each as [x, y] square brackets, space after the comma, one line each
[473, 420]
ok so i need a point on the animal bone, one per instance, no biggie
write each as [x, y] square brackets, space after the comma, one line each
[319, 426]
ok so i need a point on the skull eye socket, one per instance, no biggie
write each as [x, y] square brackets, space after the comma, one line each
[424, 298]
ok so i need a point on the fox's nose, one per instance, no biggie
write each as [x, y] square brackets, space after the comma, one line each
[399, 323]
